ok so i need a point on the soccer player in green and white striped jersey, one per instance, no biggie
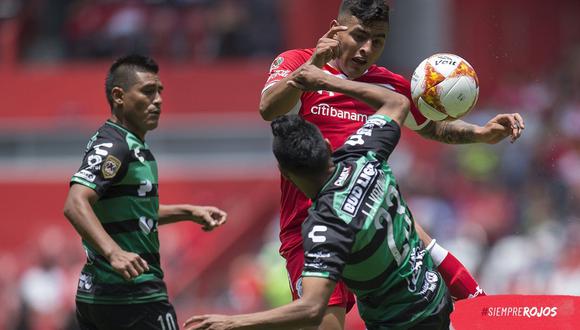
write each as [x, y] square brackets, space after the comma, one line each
[114, 205]
[359, 228]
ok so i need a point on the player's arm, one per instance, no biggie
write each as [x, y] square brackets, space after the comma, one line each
[78, 211]
[280, 98]
[387, 102]
[307, 311]
[459, 280]
[460, 132]
[208, 217]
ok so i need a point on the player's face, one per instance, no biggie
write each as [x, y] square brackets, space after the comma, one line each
[142, 102]
[360, 45]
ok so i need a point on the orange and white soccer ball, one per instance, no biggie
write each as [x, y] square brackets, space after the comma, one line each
[444, 86]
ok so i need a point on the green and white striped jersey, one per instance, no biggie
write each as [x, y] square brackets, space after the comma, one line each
[360, 230]
[121, 169]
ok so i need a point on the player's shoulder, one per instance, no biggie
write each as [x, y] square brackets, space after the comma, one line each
[304, 53]
[380, 74]
[292, 57]
[109, 136]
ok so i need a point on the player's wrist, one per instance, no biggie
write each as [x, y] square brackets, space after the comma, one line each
[437, 252]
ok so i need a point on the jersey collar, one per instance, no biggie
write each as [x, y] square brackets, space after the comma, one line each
[109, 122]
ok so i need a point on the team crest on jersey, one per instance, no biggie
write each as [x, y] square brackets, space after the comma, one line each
[110, 167]
[276, 64]
[299, 287]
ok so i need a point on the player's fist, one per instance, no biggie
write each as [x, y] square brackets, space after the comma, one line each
[209, 217]
[500, 127]
[328, 47]
[128, 264]
[308, 78]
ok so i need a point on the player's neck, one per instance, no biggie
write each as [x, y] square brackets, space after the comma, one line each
[127, 125]
[311, 185]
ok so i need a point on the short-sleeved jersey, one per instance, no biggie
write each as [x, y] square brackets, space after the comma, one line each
[120, 168]
[337, 116]
[360, 230]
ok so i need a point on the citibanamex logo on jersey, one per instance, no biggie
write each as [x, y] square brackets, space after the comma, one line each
[326, 110]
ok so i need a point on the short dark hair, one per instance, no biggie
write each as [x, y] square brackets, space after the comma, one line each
[122, 72]
[299, 146]
[366, 10]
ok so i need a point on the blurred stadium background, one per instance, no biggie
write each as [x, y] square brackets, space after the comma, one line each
[509, 212]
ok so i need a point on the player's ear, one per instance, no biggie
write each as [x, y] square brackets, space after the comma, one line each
[328, 145]
[334, 23]
[117, 93]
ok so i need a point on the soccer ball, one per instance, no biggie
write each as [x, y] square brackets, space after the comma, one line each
[444, 86]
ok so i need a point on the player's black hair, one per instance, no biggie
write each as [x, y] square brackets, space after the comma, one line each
[122, 72]
[299, 146]
[366, 10]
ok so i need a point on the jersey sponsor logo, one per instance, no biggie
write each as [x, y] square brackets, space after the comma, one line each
[343, 176]
[366, 130]
[478, 291]
[85, 282]
[91, 141]
[315, 265]
[429, 285]
[146, 225]
[86, 175]
[94, 161]
[326, 110]
[276, 63]
[138, 155]
[144, 188]
[102, 152]
[375, 121]
[318, 255]
[353, 201]
[317, 238]
[321, 92]
[110, 167]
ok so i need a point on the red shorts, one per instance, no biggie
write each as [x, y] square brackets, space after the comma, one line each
[341, 296]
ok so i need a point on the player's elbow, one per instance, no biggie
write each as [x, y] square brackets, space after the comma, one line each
[400, 103]
[266, 110]
[69, 209]
[314, 312]
[73, 207]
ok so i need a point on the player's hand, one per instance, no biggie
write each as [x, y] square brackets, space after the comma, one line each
[127, 264]
[209, 322]
[308, 78]
[502, 126]
[208, 217]
[327, 48]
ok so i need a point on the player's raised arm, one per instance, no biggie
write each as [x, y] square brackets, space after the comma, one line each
[280, 98]
[387, 102]
[459, 131]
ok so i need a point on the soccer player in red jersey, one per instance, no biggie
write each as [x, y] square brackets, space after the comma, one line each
[349, 50]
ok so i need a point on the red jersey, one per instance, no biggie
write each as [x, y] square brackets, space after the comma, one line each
[337, 116]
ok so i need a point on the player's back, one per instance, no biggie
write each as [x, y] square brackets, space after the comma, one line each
[360, 230]
[387, 268]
